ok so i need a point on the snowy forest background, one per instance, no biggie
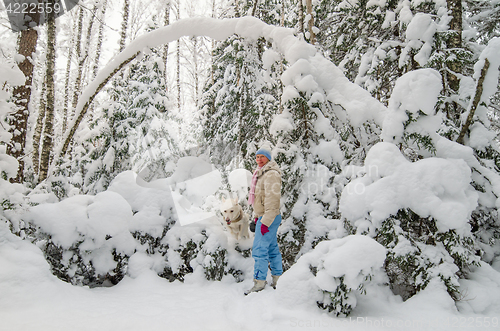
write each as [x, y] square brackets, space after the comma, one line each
[382, 114]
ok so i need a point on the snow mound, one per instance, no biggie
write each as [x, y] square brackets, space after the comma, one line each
[23, 269]
[348, 261]
[434, 187]
[415, 93]
[480, 291]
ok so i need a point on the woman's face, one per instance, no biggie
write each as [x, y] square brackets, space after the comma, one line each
[261, 160]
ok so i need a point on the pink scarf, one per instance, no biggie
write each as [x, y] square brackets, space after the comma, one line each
[251, 197]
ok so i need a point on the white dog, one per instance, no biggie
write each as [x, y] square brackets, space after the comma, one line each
[236, 219]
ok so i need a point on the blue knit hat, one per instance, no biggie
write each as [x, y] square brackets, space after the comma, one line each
[264, 151]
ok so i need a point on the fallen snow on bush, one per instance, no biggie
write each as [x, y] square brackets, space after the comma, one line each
[434, 187]
[334, 274]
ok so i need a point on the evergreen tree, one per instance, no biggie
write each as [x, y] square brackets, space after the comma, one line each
[132, 130]
[484, 15]
[367, 42]
[244, 91]
[238, 106]
[310, 152]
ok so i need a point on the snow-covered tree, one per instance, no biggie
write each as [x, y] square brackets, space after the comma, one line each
[238, 106]
[484, 15]
[132, 129]
[309, 153]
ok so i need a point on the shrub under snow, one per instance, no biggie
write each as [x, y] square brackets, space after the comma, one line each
[334, 274]
[419, 211]
[89, 240]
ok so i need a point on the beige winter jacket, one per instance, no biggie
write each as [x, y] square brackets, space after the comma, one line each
[268, 193]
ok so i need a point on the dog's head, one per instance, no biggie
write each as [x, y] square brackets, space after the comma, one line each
[230, 209]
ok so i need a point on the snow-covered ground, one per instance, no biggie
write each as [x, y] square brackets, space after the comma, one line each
[33, 299]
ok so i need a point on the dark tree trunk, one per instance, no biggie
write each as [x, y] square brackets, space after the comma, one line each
[22, 95]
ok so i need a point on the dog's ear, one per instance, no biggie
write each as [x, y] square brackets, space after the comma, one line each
[223, 199]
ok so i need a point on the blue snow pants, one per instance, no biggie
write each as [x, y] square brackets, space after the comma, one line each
[265, 251]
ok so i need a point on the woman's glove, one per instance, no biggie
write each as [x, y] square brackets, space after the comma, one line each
[264, 229]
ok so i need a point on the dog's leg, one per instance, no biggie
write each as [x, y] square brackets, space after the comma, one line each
[238, 235]
[244, 230]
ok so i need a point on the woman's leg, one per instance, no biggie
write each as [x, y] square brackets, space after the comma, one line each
[265, 249]
[274, 250]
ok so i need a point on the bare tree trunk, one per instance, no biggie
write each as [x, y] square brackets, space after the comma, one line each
[123, 35]
[236, 8]
[254, 9]
[282, 14]
[178, 11]
[455, 67]
[22, 95]
[301, 17]
[37, 134]
[282, 67]
[475, 103]
[48, 132]
[100, 38]
[88, 41]
[212, 80]
[165, 47]
[67, 84]
[241, 111]
[85, 65]
[455, 41]
[312, 35]
[178, 70]
[80, 59]
[196, 75]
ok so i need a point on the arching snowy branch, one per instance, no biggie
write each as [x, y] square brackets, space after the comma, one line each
[329, 79]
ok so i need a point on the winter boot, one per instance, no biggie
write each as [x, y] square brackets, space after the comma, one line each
[275, 281]
[258, 285]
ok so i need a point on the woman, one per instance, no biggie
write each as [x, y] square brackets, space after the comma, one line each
[265, 194]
